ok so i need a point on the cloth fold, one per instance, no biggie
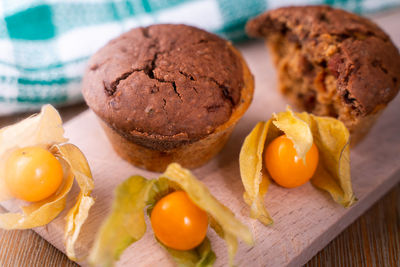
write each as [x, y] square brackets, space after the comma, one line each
[44, 45]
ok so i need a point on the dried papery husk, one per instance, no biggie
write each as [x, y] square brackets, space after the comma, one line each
[78, 214]
[125, 224]
[45, 130]
[136, 193]
[42, 212]
[333, 170]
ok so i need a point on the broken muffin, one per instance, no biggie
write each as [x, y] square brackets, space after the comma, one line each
[168, 93]
[331, 62]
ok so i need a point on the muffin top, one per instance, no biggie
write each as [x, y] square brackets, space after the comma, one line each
[172, 82]
[352, 48]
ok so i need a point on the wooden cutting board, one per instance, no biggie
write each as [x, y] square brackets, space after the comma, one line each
[306, 219]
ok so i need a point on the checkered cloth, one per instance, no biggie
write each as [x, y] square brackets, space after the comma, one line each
[45, 44]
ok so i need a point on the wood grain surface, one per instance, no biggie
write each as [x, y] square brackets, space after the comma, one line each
[373, 240]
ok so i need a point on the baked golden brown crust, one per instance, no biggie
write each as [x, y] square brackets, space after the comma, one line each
[168, 93]
[190, 155]
[164, 86]
[331, 62]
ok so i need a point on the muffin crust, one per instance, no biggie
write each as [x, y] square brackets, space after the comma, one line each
[165, 85]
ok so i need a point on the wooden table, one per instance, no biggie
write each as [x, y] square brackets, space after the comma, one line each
[372, 240]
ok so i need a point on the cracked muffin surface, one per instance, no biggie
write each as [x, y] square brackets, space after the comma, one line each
[331, 62]
[166, 82]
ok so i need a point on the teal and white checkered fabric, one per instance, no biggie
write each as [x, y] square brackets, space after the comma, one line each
[44, 45]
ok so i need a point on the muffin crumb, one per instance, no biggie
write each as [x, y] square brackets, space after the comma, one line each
[331, 62]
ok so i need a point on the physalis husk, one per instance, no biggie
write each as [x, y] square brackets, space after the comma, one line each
[333, 170]
[45, 130]
[126, 222]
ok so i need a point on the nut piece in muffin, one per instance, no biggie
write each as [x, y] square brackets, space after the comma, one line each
[331, 62]
[168, 93]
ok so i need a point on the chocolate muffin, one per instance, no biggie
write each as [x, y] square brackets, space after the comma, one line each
[331, 62]
[168, 93]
